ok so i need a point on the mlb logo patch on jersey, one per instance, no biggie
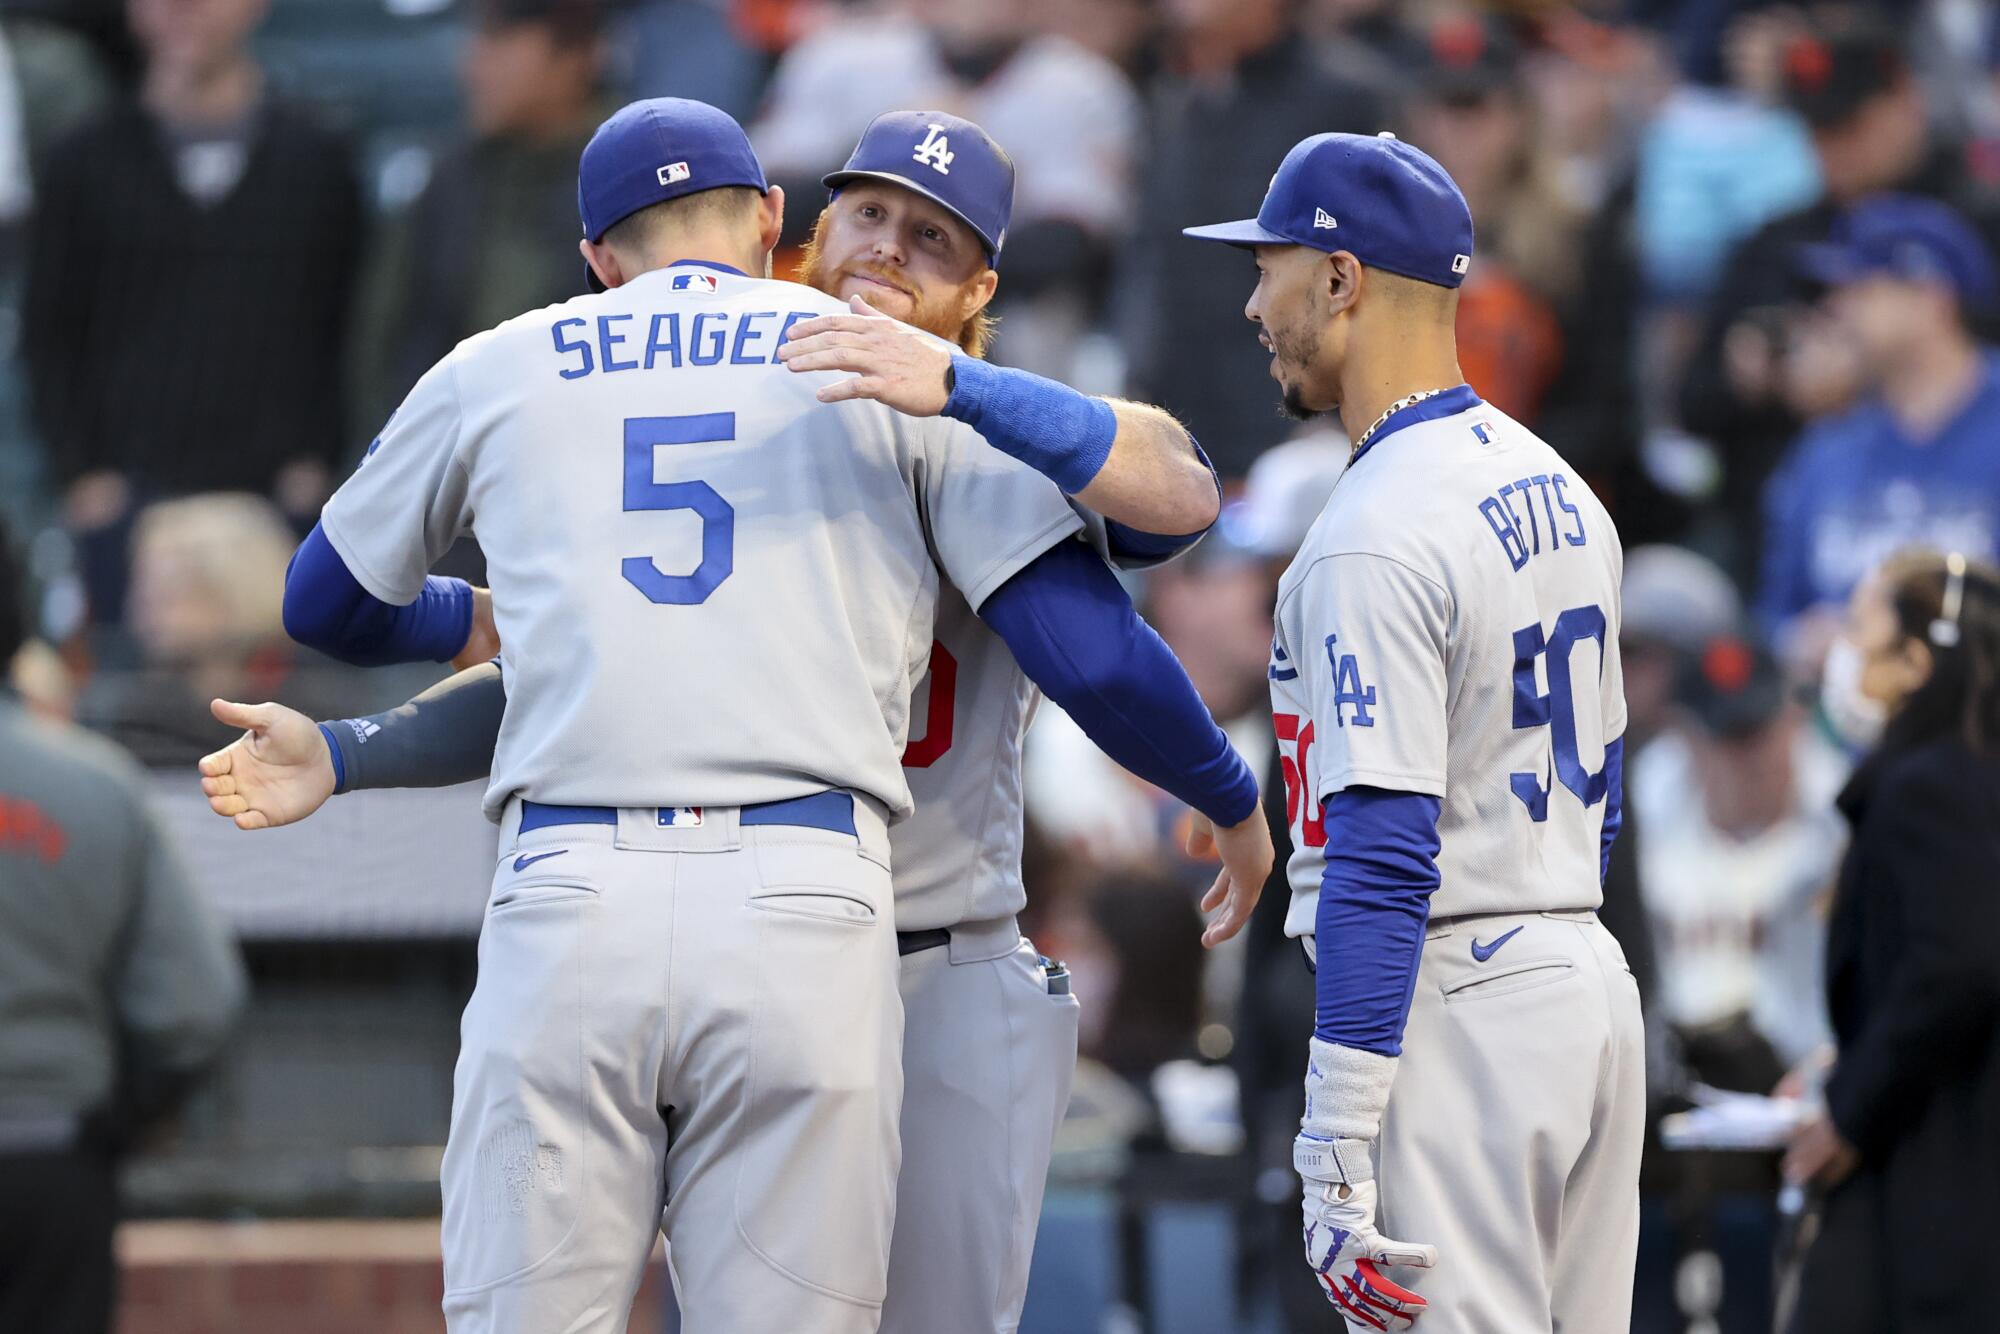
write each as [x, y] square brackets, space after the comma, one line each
[673, 173]
[680, 817]
[695, 282]
[1484, 432]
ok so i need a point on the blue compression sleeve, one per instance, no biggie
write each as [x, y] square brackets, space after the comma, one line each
[445, 735]
[1374, 900]
[1076, 635]
[327, 609]
[1062, 434]
[1614, 805]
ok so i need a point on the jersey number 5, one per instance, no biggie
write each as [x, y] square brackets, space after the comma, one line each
[718, 517]
[1556, 710]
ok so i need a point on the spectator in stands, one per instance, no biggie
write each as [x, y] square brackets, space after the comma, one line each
[1148, 992]
[1741, 839]
[205, 612]
[1674, 601]
[190, 274]
[1848, 77]
[1472, 112]
[1907, 1149]
[1914, 461]
[1068, 116]
[1243, 89]
[117, 989]
[494, 232]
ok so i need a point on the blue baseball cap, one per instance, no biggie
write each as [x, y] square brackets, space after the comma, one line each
[659, 149]
[1903, 236]
[1384, 202]
[946, 159]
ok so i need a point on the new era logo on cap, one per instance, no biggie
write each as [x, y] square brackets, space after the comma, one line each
[673, 173]
[1321, 218]
[1460, 263]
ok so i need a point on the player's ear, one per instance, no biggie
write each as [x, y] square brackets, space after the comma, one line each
[771, 218]
[602, 262]
[981, 292]
[1341, 276]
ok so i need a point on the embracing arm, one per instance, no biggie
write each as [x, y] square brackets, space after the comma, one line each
[326, 608]
[1130, 462]
[285, 766]
[1077, 636]
[444, 736]
[1075, 633]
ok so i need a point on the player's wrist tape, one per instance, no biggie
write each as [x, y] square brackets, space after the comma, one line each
[1346, 1090]
[1348, 1161]
[1062, 434]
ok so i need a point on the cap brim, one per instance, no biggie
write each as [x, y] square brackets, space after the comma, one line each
[834, 180]
[1246, 233]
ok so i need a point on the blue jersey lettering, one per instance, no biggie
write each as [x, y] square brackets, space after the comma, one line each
[606, 340]
[565, 346]
[667, 323]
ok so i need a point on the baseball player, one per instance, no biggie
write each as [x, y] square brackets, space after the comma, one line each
[1448, 707]
[1029, 596]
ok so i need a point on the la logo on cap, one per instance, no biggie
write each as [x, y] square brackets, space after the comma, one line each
[935, 151]
[1323, 221]
[673, 173]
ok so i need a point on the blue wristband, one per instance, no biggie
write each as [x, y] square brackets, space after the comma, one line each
[339, 765]
[1062, 434]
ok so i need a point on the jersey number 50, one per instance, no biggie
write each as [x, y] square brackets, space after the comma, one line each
[1556, 710]
[718, 517]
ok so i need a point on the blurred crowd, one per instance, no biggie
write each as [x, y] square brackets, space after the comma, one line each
[1736, 260]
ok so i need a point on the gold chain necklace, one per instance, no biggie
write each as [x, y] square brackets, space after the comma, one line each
[1361, 441]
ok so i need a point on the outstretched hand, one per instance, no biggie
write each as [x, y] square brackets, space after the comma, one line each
[1247, 855]
[277, 773]
[891, 362]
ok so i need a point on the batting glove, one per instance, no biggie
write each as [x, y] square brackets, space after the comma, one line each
[1342, 1245]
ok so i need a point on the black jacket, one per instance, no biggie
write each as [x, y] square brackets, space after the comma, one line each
[1913, 983]
[194, 348]
[1214, 147]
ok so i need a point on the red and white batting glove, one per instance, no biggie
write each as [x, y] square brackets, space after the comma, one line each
[1347, 1090]
[1342, 1245]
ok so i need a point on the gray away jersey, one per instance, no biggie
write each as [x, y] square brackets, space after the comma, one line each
[1450, 627]
[712, 589]
[958, 857]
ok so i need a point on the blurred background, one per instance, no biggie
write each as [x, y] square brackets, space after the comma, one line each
[233, 232]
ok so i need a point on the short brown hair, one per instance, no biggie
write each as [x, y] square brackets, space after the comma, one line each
[637, 231]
